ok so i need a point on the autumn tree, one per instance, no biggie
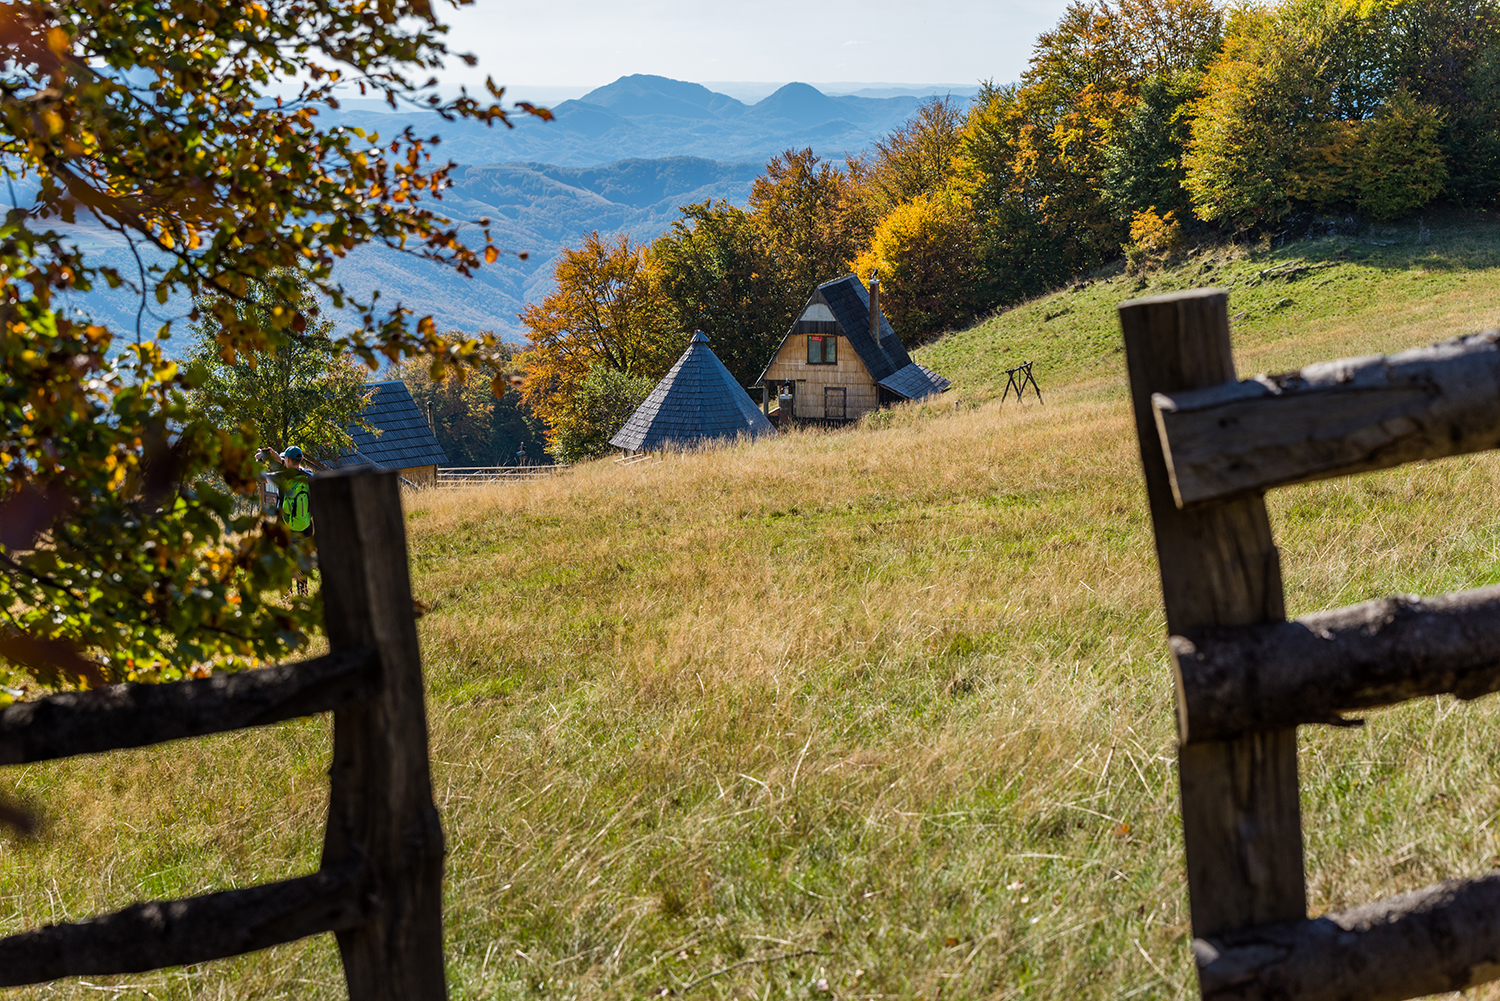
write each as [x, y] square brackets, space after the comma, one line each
[1021, 247]
[926, 254]
[608, 312]
[190, 132]
[807, 214]
[1345, 107]
[915, 159]
[719, 278]
[1051, 164]
[304, 391]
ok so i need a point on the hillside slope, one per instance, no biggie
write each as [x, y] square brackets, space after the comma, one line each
[1291, 305]
[885, 708]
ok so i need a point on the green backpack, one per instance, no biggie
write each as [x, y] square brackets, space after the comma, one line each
[294, 506]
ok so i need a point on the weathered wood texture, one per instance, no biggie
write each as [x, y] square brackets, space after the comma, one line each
[1442, 938]
[790, 365]
[1232, 681]
[380, 803]
[132, 715]
[1219, 567]
[150, 936]
[1331, 419]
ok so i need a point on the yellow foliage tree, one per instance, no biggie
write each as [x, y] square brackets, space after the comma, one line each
[924, 250]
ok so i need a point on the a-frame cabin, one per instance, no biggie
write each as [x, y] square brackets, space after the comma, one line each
[841, 359]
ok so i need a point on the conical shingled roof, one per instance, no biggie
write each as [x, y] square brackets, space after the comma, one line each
[696, 401]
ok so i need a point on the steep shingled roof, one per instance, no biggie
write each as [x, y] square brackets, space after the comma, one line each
[886, 359]
[697, 400]
[850, 302]
[405, 439]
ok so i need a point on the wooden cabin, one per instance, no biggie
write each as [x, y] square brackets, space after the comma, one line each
[841, 359]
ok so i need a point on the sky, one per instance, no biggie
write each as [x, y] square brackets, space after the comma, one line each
[566, 47]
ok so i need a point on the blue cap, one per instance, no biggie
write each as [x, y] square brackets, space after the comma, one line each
[292, 452]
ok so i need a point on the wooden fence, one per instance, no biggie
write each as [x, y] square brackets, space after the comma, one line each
[379, 885]
[469, 476]
[1246, 678]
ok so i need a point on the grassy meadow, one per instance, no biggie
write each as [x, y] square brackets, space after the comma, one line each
[877, 713]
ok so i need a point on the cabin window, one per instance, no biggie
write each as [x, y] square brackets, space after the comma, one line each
[822, 349]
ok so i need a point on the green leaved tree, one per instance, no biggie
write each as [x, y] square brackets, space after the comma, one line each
[716, 272]
[305, 391]
[600, 406]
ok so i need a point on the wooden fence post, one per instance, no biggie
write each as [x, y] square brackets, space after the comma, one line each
[1219, 567]
[380, 805]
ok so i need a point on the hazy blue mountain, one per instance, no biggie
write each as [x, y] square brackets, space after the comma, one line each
[623, 158]
[658, 95]
[534, 207]
[652, 117]
[751, 91]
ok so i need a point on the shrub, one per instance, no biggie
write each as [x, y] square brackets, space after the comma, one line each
[1154, 239]
[1401, 162]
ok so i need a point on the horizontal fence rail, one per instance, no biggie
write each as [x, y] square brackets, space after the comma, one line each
[177, 932]
[463, 476]
[135, 715]
[1442, 938]
[1331, 419]
[1378, 653]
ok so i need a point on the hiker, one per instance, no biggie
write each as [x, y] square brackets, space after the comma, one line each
[296, 510]
[521, 455]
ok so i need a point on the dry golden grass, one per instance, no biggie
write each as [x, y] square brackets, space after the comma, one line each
[886, 708]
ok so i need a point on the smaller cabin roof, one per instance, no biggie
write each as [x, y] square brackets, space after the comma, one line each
[404, 440]
[697, 400]
[915, 382]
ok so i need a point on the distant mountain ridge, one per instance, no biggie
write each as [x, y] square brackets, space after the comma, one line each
[621, 159]
[538, 208]
[652, 117]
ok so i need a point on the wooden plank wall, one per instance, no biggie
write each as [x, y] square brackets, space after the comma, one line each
[421, 476]
[790, 364]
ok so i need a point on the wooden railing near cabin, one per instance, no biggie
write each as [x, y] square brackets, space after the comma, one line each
[468, 476]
